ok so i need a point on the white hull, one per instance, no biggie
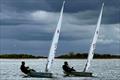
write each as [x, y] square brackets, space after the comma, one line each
[40, 74]
[79, 74]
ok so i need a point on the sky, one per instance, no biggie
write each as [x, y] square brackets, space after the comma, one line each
[27, 26]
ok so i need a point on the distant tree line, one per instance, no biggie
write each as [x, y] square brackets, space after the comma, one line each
[73, 55]
[70, 55]
[19, 56]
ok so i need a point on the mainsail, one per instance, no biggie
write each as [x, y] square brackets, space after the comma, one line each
[93, 45]
[54, 42]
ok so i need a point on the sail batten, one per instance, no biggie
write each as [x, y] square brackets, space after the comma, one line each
[93, 45]
[54, 42]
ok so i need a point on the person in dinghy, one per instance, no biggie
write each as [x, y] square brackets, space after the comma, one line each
[25, 69]
[66, 68]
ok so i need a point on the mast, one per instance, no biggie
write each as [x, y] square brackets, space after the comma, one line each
[93, 45]
[54, 42]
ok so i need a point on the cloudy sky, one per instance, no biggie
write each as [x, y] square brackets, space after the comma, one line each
[27, 26]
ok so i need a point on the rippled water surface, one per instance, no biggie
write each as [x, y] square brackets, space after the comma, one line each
[103, 69]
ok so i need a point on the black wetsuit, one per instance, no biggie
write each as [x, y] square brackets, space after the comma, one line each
[66, 68]
[24, 69]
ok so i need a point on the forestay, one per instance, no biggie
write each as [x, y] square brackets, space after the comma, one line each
[93, 45]
[54, 42]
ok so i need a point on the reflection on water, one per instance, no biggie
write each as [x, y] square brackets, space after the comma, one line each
[102, 68]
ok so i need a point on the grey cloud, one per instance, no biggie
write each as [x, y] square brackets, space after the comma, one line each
[29, 25]
[87, 15]
[110, 34]
[25, 32]
[55, 5]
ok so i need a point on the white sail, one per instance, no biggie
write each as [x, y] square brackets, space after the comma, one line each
[54, 42]
[93, 45]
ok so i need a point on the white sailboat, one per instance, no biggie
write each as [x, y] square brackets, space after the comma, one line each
[55, 42]
[91, 51]
[47, 73]
[93, 45]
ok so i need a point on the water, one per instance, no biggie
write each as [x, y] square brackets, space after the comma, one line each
[104, 69]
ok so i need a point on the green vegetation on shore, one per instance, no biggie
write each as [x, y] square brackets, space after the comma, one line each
[70, 55]
[22, 56]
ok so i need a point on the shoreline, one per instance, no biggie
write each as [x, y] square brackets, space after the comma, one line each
[70, 55]
[58, 58]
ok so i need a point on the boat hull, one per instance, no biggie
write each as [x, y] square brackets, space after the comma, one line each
[40, 74]
[79, 74]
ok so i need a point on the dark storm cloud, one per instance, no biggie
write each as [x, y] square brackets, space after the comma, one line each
[19, 22]
[28, 25]
[29, 32]
[19, 10]
[38, 33]
[55, 5]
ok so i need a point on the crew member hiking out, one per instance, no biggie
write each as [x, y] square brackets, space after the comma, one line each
[24, 69]
[66, 67]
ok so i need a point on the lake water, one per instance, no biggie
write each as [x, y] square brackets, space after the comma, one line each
[104, 69]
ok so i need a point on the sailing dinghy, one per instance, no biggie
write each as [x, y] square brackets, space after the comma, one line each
[47, 73]
[91, 51]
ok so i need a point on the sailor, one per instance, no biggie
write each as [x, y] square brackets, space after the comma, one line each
[24, 69]
[66, 67]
